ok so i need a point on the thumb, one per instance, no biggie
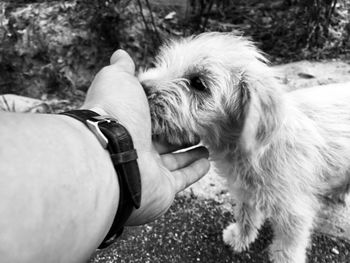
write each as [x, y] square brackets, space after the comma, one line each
[123, 61]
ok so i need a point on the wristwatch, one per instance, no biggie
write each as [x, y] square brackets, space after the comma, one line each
[116, 139]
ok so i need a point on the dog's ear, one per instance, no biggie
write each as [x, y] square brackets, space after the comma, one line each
[260, 101]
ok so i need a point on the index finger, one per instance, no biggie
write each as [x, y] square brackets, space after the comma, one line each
[164, 147]
[175, 161]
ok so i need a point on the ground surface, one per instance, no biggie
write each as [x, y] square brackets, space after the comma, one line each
[192, 230]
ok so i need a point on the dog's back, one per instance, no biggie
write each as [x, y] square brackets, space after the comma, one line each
[328, 107]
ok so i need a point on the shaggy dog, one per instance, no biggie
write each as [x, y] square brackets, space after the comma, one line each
[279, 151]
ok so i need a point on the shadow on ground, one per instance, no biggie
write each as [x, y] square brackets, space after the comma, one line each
[191, 232]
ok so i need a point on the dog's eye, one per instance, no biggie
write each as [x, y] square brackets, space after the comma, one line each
[197, 84]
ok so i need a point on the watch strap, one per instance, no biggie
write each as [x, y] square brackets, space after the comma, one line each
[123, 156]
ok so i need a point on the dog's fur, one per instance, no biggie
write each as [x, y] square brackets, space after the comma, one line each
[280, 151]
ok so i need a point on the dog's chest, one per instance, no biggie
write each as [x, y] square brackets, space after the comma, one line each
[241, 178]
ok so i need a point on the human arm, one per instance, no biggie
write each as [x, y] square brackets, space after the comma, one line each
[58, 188]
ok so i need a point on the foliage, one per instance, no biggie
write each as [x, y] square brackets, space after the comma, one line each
[56, 47]
[285, 29]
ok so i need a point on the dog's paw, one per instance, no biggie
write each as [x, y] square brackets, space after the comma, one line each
[232, 236]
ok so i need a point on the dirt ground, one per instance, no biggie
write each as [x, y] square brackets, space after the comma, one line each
[192, 230]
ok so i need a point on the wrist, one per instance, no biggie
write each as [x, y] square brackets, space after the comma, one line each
[116, 139]
[97, 163]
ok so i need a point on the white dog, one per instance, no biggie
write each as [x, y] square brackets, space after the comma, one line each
[279, 151]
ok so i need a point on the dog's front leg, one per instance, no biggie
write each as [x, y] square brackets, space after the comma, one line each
[292, 230]
[245, 230]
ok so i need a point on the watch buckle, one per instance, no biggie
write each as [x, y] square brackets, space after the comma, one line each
[93, 126]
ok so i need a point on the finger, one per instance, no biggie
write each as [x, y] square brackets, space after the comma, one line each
[179, 160]
[122, 60]
[190, 174]
[164, 147]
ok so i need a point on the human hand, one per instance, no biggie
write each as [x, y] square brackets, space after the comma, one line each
[115, 91]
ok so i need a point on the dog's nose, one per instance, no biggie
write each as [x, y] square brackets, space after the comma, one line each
[147, 87]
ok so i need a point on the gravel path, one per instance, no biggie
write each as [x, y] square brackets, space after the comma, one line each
[191, 232]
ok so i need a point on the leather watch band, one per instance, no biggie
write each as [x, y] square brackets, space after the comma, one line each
[123, 155]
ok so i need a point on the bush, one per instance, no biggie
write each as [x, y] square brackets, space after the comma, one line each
[56, 47]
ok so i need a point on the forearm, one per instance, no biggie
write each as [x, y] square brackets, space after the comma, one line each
[58, 189]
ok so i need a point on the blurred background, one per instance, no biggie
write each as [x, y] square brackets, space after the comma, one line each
[52, 49]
